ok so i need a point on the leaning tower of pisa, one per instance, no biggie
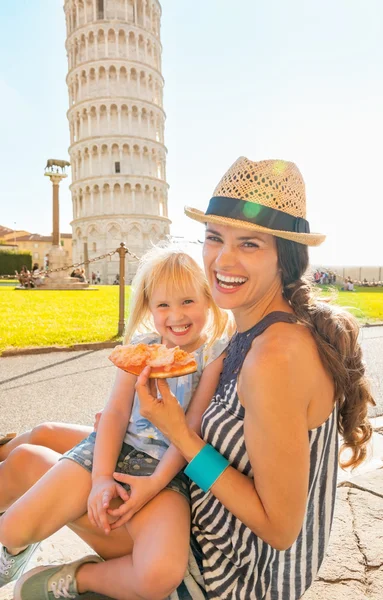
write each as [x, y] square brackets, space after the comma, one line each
[116, 121]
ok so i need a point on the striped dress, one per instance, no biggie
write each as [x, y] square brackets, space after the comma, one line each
[236, 563]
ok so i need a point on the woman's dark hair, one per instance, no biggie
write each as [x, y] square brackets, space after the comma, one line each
[335, 332]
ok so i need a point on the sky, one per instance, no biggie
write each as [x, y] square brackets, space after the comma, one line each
[299, 80]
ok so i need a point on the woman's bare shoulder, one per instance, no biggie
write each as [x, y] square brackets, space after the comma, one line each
[283, 339]
[285, 350]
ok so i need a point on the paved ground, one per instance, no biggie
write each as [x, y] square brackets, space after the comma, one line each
[71, 387]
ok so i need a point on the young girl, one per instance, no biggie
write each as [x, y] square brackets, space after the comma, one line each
[171, 304]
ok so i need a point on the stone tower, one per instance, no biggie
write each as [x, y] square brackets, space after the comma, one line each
[116, 121]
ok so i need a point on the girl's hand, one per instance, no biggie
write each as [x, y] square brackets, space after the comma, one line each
[102, 492]
[97, 418]
[160, 407]
[143, 489]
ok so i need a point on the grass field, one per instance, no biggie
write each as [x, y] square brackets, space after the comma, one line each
[49, 317]
[365, 303]
[62, 318]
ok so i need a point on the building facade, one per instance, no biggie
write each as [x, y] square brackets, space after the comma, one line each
[38, 245]
[116, 121]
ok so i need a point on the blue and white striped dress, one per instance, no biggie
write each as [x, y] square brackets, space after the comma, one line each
[238, 565]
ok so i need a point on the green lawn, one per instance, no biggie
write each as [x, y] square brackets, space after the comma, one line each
[365, 303]
[49, 317]
[62, 318]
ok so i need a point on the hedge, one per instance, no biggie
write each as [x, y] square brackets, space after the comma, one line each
[13, 261]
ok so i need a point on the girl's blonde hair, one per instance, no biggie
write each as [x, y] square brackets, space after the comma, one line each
[171, 264]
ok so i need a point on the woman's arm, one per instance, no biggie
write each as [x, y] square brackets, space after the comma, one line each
[275, 388]
[173, 461]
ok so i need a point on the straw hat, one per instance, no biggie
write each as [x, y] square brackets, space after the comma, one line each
[267, 196]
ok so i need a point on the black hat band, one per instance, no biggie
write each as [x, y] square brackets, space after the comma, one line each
[265, 216]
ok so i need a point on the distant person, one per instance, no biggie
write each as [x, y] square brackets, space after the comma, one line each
[98, 277]
[93, 277]
[24, 277]
[36, 276]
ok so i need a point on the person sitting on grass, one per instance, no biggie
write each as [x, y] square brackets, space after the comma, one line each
[24, 277]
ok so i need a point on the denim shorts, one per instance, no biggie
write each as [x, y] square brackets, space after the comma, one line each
[130, 462]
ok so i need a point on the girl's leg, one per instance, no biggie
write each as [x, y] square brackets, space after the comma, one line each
[160, 533]
[23, 467]
[59, 497]
[57, 436]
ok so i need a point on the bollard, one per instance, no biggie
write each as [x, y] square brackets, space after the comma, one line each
[121, 311]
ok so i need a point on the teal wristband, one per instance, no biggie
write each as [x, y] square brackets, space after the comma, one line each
[206, 467]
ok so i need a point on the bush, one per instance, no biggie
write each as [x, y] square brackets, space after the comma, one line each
[13, 261]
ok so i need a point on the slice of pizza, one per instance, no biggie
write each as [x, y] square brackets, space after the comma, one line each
[165, 362]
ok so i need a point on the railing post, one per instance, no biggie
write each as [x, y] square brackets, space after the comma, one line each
[121, 314]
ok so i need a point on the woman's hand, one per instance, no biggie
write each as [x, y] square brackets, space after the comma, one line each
[160, 406]
[103, 490]
[143, 489]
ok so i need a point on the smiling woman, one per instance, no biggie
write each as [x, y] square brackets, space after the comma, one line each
[242, 269]
[264, 470]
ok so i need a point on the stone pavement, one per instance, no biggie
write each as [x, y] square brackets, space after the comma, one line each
[353, 567]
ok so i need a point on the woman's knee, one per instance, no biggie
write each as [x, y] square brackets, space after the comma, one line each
[42, 434]
[160, 581]
[19, 459]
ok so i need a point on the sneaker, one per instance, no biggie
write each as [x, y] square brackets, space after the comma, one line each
[50, 582]
[11, 567]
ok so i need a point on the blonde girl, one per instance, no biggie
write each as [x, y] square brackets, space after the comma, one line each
[171, 304]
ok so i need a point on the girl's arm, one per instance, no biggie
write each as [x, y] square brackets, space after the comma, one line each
[113, 423]
[276, 385]
[145, 488]
[110, 434]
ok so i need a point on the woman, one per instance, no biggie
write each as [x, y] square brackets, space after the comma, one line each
[264, 470]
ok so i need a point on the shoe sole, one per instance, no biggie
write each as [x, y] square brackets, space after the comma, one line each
[20, 581]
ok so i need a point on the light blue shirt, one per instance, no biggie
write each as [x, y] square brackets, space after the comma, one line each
[141, 434]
